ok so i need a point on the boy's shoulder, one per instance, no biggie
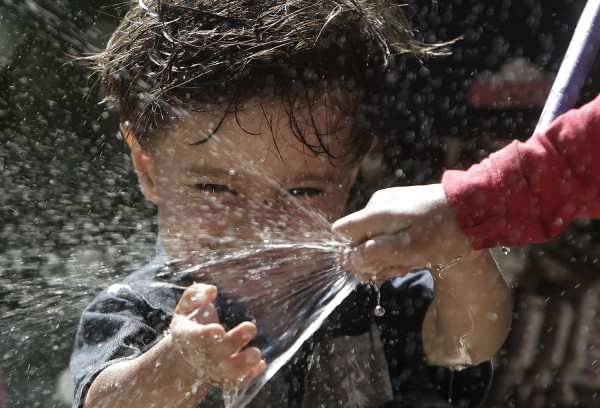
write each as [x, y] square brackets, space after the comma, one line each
[147, 289]
[157, 267]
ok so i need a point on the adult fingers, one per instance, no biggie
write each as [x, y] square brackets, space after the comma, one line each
[387, 250]
[370, 222]
[390, 272]
[381, 274]
[409, 249]
[353, 226]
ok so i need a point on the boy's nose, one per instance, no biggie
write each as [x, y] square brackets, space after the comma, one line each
[265, 218]
[262, 227]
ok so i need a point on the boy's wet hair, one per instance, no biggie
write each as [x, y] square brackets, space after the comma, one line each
[224, 53]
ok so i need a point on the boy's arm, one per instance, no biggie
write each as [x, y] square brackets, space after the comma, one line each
[181, 369]
[470, 315]
[156, 378]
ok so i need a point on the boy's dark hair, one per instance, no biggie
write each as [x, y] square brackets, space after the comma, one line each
[187, 53]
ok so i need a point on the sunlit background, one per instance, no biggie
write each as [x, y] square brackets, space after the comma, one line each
[72, 218]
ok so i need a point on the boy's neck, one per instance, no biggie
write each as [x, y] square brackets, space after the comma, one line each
[160, 253]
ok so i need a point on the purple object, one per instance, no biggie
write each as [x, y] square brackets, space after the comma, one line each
[575, 66]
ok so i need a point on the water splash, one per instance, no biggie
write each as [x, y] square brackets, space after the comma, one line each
[274, 281]
[313, 297]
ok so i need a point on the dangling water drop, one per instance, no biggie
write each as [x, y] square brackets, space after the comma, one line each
[450, 384]
[505, 250]
[379, 310]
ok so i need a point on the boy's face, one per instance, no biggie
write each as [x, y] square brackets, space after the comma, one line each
[251, 181]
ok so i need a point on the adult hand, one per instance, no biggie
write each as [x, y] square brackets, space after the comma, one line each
[404, 228]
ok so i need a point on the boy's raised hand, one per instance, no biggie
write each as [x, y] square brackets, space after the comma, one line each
[403, 228]
[206, 346]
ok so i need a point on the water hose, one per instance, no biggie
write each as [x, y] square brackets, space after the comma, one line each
[574, 67]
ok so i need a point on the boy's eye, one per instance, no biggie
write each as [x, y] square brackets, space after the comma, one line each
[216, 188]
[306, 192]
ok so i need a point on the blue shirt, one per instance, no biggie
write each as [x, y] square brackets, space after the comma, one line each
[354, 360]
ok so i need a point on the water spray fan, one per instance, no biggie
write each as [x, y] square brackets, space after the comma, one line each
[288, 289]
[297, 287]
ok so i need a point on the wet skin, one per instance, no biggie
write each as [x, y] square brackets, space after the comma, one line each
[251, 179]
[241, 182]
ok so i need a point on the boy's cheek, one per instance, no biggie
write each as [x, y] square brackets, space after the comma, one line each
[187, 236]
[191, 224]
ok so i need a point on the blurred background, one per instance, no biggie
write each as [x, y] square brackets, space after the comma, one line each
[72, 218]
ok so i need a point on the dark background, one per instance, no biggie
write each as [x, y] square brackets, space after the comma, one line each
[72, 217]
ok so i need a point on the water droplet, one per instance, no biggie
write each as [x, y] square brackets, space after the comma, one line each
[379, 311]
[450, 384]
[505, 250]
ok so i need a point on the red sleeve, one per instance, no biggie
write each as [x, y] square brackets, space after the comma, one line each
[529, 192]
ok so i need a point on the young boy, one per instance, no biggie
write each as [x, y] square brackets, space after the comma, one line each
[247, 123]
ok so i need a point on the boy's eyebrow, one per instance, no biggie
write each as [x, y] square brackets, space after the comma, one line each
[210, 171]
[327, 176]
[221, 173]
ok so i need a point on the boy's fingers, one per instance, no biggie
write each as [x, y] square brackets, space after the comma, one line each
[195, 297]
[240, 366]
[237, 338]
[241, 362]
[197, 336]
[205, 314]
[256, 370]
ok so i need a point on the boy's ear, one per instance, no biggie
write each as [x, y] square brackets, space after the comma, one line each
[143, 167]
[374, 143]
[372, 167]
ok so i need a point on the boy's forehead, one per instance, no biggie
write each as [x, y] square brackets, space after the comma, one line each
[260, 126]
[312, 107]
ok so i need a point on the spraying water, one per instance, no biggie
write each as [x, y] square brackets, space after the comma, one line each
[288, 290]
[286, 286]
[72, 222]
